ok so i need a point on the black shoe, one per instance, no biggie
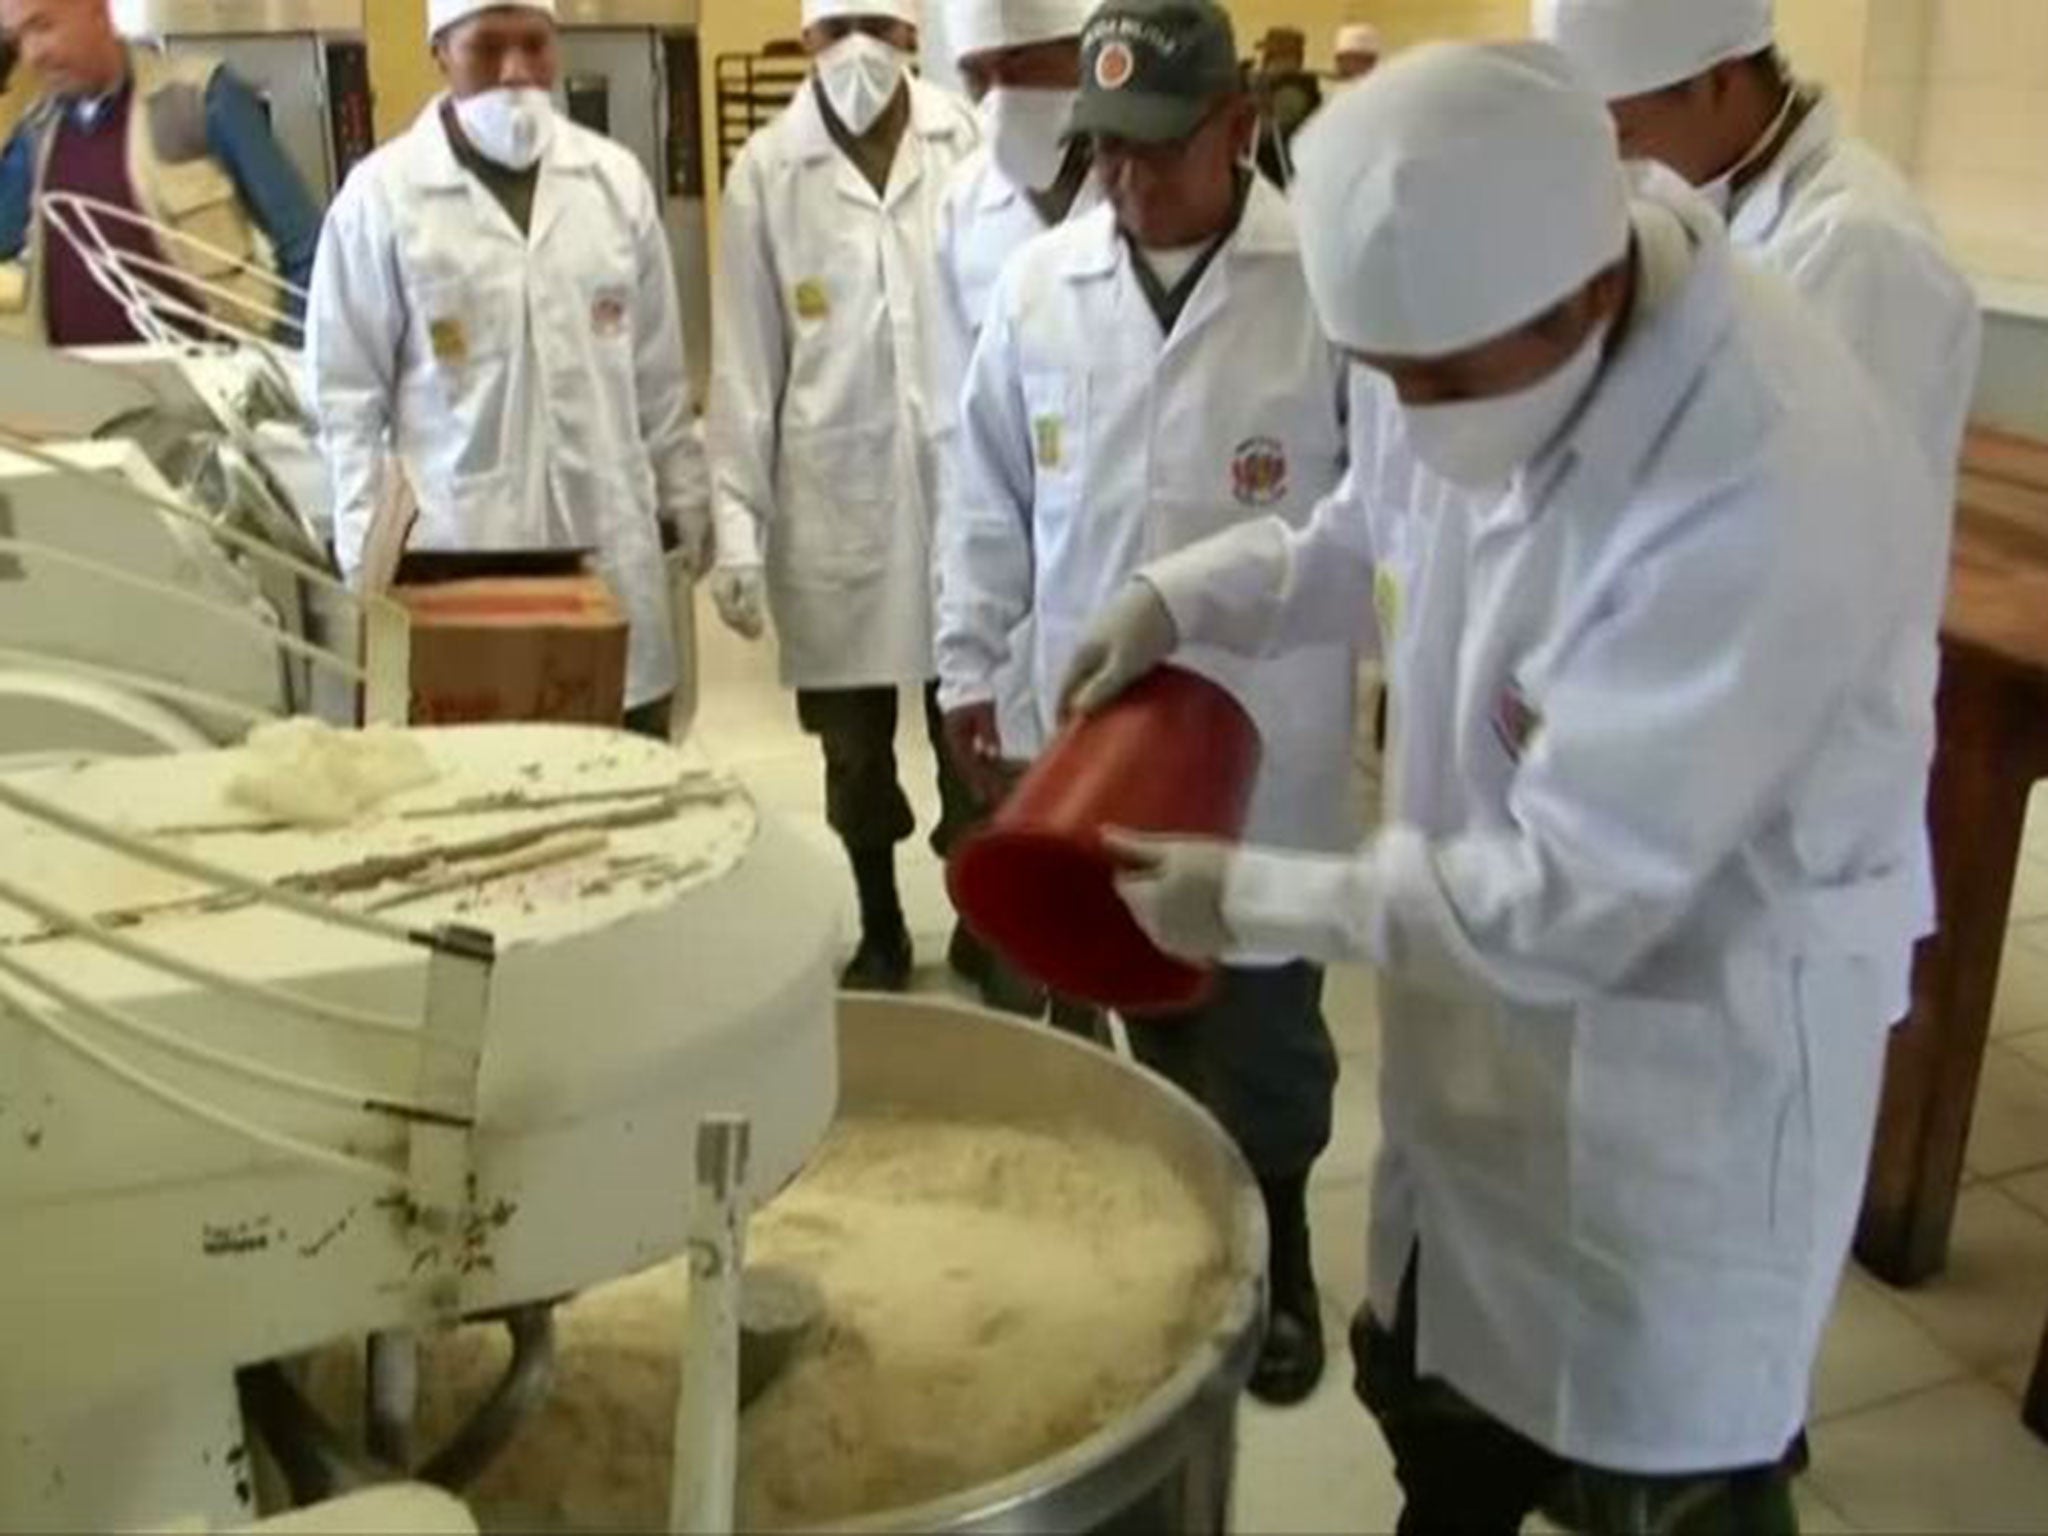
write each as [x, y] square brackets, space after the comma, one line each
[1291, 1360]
[881, 964]
[1001, 987]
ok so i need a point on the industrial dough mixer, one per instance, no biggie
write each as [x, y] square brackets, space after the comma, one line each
[265, 1085]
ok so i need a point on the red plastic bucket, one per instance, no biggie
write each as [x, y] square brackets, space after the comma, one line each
[1178, 755]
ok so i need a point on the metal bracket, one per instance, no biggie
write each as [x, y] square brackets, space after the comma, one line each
[387, 661]
[441, 1165]
[706, 1466]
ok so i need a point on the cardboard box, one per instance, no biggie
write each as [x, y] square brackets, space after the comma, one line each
[512, 637]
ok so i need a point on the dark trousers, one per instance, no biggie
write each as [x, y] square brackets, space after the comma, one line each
[1464, 1473]
[1257, 1056]
[654, 718]
[864, 799]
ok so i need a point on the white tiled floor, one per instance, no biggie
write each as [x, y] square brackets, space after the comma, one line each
[1916, 1420]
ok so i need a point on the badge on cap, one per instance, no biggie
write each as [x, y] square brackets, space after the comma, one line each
[1258, 472]
[1115, 66]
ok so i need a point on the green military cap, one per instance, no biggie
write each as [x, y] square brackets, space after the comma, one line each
[1152, 70]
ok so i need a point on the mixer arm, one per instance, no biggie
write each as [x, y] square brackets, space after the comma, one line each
[152, 291]
[386, 683]
[319, 1463]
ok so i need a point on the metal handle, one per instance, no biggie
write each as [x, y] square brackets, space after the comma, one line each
[706, 1464]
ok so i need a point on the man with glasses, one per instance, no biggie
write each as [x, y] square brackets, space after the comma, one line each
[1147, 375]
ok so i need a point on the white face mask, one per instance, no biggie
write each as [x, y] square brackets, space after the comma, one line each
[1027, 133]
[861, 75]
[511, 125]
[1480, 444]
[1650, 178]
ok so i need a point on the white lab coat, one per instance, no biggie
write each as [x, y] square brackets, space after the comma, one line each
[1646, 901]
[532, 388]
[1092, 444]
[1843, 227]
[1835, 219]
[984, 220]
[819, 433]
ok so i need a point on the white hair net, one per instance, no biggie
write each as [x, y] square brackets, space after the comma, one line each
[1459, 192]
[1628, 47]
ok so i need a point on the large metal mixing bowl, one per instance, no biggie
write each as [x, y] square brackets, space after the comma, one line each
[1165, 1466]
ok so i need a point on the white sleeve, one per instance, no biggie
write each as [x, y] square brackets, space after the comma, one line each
[986, 566]
[750, 365]
[950, 340]
[1912, 320]
[1265, 588]
[355, 339]
[1670, 732]
[662, 384]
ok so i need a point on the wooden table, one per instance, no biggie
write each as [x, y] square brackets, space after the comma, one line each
[1993, 749]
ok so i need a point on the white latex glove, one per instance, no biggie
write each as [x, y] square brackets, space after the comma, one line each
[1174, 888]
[1134, 634]
[741, 595]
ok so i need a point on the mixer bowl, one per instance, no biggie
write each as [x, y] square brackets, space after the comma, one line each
[1167, 1464]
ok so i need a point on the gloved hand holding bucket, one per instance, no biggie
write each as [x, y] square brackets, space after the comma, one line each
[1149, 750]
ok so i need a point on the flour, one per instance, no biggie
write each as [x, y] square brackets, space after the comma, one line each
[994, 1296]
[311, 775]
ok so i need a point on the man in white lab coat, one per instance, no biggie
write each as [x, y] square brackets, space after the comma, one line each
[494, 305]
[1357, 51]
[1149, 374]
[1021, 61]
[1647, 895]
[1702, 89]
[824, 488]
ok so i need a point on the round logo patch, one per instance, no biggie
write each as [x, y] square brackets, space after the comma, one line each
[1258, 472]
[1114, 66]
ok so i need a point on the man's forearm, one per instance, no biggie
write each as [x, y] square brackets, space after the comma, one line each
[17, 178]
[240, 137]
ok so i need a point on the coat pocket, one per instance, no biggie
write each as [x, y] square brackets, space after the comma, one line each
[198, 201]
[475, 511]
[1691, 1129]
[837, 503]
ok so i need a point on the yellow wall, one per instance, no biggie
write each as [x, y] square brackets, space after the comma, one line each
[402, 72]
[1401, 22]
[735, 26]
[1827, 38]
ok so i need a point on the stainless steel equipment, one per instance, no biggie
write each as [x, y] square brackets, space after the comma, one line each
[305, 58]
[630, 71]
[1167, 1465]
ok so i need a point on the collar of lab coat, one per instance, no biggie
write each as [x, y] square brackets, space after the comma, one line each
[1765, 204]
[995, 191]
[436, 172]
[1597, 467]
[933, 117]
[1267, 229]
